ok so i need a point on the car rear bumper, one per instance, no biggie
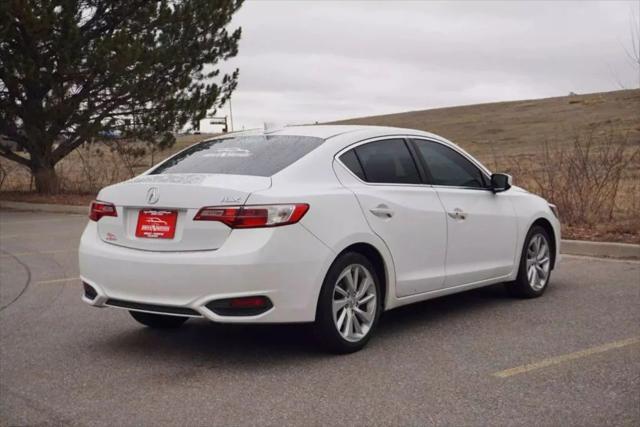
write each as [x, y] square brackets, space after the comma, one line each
[286, 264]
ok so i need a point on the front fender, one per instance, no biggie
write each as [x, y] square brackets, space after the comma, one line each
[530, 208]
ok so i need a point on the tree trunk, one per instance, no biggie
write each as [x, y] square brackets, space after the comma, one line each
[46, 179]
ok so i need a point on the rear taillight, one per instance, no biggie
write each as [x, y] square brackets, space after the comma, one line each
[253, 216]
[100, 209]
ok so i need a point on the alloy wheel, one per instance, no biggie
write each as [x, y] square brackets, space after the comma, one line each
[354, 302]
[538, 262]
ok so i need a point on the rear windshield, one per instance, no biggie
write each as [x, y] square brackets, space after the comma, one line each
[258, 155]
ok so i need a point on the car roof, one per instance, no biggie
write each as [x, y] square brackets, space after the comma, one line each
[330, 131]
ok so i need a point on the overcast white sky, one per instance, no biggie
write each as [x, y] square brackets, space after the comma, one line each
[306, 61]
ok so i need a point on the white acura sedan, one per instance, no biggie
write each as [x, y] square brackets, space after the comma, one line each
[324, 224]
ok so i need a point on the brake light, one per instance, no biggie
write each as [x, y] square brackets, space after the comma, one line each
[100, 209]
[253, 216]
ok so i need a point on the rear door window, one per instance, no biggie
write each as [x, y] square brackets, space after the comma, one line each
[386, 161]
[258, 155]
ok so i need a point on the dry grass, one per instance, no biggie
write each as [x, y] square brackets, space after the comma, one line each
[59, 199]
[89, 168]
[520, 127]
[585, 178]
[595, 182]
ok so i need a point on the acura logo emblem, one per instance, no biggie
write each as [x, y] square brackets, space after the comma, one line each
[153, 195]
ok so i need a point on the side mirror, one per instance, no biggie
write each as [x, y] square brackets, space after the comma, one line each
[500, 182]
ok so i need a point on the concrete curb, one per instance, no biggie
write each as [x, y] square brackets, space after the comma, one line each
[44, 207]
[568, 247]
[600, 249]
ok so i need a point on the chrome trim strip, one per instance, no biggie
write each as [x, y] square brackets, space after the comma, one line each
[483, 169]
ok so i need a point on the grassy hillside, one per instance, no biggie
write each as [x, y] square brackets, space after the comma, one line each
[545, 144]
[520, 127]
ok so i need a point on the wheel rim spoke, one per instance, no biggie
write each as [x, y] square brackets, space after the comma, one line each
[339, 305]
[364, 287]
[348, 322]
[357, 328]
[364, 315]
[340, 320]
[544, 252]
[365, 299]
[349, 279]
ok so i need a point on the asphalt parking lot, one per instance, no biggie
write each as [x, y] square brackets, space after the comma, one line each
[477, 358]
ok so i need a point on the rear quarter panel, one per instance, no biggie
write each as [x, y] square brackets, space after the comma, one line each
[334, 217]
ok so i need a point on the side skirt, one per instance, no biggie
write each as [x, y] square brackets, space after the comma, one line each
[399, 302]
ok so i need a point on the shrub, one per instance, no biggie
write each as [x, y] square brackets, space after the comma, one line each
[584, 179]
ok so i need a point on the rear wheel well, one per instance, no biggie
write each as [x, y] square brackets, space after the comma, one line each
[376, 259]
[542, 222]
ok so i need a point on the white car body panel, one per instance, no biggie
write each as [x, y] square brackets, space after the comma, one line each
[425, 252]
[482, 245]
[186, 193]
[530, 208]
[250, 262]
[416, 233]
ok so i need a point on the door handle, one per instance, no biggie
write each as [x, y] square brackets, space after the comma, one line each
[458, 214]
[382, 211]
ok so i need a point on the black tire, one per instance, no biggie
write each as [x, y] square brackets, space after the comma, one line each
[325, 328]
[521, 287]
[158, 321]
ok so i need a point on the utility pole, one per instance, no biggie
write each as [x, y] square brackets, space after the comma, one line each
[231, 114]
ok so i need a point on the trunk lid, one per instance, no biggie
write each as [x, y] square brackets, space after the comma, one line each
[169, 198]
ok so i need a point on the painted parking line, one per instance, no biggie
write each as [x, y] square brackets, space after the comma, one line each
[59, 251]
[64, 279]
[551, 361]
